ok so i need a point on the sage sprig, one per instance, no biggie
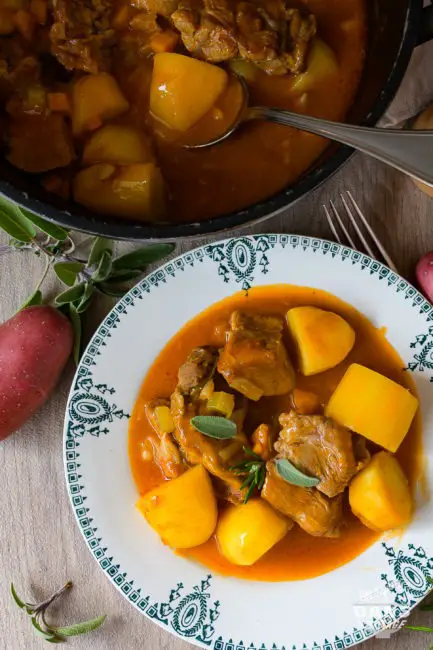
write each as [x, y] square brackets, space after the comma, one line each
[48, 632]
[293, 475]
[83, 276]
[214, 426]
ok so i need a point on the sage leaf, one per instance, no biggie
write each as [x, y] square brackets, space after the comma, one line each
[214, 426]
[16, 598]
[70, 295]
[123, 275]
[86, 298]
[75, 319]
[292, 475]
[426, 608]
[419, 628]
[35, 299]
[53, 230]
[15, 223]
[99, 246]
[67, 271]
[112, 290]
[81, 628]
[104, 267]
[141, 257]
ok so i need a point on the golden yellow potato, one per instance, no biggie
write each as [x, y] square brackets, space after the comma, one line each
[183, 89]
[323, 339]
[321, 64]
[183, 511]
[380, 496]
[373, 405]
[96, 98]
[246, 532]
[118, 144]
[135, 191]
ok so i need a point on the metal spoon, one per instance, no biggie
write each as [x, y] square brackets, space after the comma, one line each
[409, 151]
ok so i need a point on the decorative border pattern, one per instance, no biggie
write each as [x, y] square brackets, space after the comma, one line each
[91, 406]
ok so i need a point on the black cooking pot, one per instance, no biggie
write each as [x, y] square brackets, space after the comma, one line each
[395, 27]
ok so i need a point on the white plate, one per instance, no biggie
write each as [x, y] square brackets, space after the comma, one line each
[331, 612]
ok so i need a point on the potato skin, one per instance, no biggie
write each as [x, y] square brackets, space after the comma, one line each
[34, 347]
[182, 511]
[380, 495]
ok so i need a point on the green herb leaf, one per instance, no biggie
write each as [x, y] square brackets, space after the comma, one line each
[81, 628]
[16, 598]
[86, 298]
[112, 290]
[71, 295]
[104, 267]
[419, 628]
[123, 275]
[56, 232]
[214, 426]
[426, 608]
[67, 271]
[99, 246]
[35, 299]
[45, 635]
[141, 257]
[292, 475]
[15, 223]
[77, 327]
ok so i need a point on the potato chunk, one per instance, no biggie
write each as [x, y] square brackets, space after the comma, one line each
[134, 191]
[118, 144]
[380, 496]
[323, 339]
[373, 405]
[183, 511]
[246, 532]
[321, 65]
[96, 98]
[183, 89]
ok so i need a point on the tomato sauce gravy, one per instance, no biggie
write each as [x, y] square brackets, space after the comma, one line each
[298, 556]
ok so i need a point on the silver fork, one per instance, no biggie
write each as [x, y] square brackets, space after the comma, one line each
[356, 217]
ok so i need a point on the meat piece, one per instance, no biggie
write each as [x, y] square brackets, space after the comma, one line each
[164, 450]
[264, 32]
[81, 35]
[199, 449]
[263, 439]
[161, 7]
[322, 448]
[312, 511]
[38, 144]
[254, 360]
[207, 29]
[196, 370]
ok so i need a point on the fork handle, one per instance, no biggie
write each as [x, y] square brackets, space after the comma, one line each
[409, 151]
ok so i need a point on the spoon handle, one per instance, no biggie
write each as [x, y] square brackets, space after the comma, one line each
[409, 151]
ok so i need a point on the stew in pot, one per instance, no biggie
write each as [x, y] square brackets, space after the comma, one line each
[98, 95]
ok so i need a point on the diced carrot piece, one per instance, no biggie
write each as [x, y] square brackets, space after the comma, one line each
[7, 25]
[59, 103]
[304, 402]
[164, 42]
[39, 9]
[25, 24]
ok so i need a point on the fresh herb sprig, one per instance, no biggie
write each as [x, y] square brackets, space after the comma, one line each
[253, 469]
[83, 275]
[215, 426]
[52, 634]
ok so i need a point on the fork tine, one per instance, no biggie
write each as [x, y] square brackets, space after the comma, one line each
[331, 224]
[342, 226]
[372, 234]
[357, 228]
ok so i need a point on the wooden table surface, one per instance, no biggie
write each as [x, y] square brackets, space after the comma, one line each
[40, 544]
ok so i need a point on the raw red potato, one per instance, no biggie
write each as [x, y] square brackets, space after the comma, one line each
[34, 347]
[424, 275]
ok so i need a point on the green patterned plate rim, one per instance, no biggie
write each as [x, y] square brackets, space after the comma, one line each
[372, 594]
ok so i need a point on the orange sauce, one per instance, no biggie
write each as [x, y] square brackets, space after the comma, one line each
[299, 555]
